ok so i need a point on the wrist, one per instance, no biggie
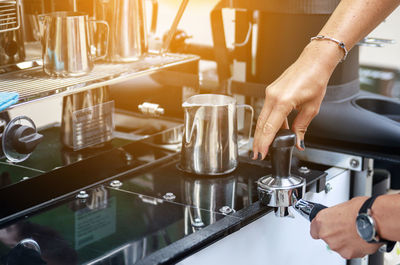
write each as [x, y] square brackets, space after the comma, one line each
[366, 223]
[378, 213]
[326, 55]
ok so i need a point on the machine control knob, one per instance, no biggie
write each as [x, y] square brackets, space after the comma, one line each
[25, 138]
[3, 124]
[11, 48]
[281, 153]
[25, 252]
[19, 139]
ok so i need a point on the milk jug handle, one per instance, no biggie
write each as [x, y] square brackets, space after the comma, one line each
[107, 26]
[154, 17]
[250, 109]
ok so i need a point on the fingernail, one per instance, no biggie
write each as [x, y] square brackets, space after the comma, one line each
[259, 156]
[302, 144]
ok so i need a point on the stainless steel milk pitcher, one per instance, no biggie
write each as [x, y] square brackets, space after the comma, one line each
[127, 20]
[67, 48]
[210, 138]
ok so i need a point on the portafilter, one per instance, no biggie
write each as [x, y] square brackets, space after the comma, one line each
[282, 189]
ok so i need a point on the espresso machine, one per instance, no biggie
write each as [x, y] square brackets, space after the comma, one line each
[12, 49]
[269, 36]
[121, 196]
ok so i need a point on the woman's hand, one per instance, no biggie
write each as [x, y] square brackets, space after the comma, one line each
[302, 87]
[337, 227]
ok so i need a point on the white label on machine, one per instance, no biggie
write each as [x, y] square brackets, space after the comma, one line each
[93, 225]
[93, 125]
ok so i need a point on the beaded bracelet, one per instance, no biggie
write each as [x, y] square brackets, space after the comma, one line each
[340, 43]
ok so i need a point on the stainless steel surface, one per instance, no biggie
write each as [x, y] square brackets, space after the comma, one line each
[362, 183]
[212, 194]
[10, 16]
[32, 84]
[79, 101]
[127, 20]
[116, 184]
[304, 170]
[171, 136]
[375, 42]
[281, 189]
[281, 192]
[197, 223]
[354, 163]
[151, 109]
[328, 188]
[209, 142]
[304, 208]
[226, 210]
[82, 195]
[174, 27]
[330, 158]
[363, 180]
[12, 48]
[67, 50]
[169, 196]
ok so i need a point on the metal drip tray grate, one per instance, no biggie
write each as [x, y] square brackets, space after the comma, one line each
[33, 83]
[9, 15]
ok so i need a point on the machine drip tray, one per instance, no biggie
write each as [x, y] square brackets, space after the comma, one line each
[382, 107]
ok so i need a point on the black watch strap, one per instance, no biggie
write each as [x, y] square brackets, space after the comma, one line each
[389, 245]
[364, 210]
[367, 204]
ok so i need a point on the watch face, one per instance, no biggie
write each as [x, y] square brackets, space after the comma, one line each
[365, 227]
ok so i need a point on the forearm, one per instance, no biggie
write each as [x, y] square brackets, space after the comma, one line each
[350, 22]
[303, 85]
[386, 213]
[354, 19]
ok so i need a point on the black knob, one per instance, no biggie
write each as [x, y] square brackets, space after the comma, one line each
[11, 48]
[22, 255]
[281, 153]
[25, 139]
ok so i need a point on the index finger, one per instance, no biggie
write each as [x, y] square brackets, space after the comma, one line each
[274, 122]
[265, 112]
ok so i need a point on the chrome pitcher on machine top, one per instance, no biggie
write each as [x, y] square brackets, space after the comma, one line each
[127, 20]
[210, 139]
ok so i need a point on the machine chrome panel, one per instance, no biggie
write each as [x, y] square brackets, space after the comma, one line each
[330, 158]
[33, 84]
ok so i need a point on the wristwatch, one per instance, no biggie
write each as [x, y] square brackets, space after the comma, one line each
[366, 226]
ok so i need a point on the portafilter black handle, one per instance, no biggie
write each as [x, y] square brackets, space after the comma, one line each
[308, 209]
[281, 153]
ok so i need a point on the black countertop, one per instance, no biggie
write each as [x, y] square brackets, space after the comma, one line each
[135, 220]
